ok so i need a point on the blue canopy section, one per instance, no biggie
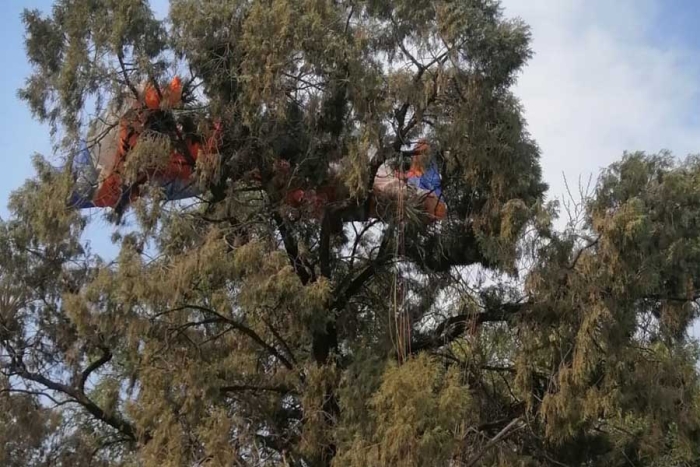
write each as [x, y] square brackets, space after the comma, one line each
[85, 178]
[78, 201]
[429, 181]
[180, 189]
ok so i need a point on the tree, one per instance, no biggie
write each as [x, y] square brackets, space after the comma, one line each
[231, 331]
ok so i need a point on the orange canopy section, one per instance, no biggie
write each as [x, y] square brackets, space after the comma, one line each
[111, 185]
[172, 94]
[420, 182]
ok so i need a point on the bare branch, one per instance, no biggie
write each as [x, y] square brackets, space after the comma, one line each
[130, 85]
[243, 329]
[344, 293]
[347, 22]
[250, 387]
[580, 252]
[504, 433]
[454, 327]
[32, 393]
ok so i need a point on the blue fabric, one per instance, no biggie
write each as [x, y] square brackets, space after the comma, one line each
[79, 201]
[84, 177]
[429, 181]
[82, 159]
[180, 189]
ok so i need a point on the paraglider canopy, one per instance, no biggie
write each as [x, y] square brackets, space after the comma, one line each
[101, 178]
[99, 167]
[412, 176]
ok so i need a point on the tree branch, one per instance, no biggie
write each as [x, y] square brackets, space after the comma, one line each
[325, 245]
[347, 22]
[94, 366]
[279, 338]
[580, 252]
[454, 327]
[120, 57]
[32, 393]
[344, 293]
[292, 249]
[450, 248]
[113, 420]
[249, 387]
[504, 433]
[243, 329]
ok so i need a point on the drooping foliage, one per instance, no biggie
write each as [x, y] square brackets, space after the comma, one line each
[235, 329]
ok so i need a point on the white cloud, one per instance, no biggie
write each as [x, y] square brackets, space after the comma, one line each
[599, 85]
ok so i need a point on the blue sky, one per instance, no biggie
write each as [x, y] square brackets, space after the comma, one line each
[21, 135]
[607, 76]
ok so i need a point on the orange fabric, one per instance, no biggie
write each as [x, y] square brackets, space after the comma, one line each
[131, 126]
[416, 169]
[151, 98]
[422, 147]
[172, 94]
[109, 191]
[435, 208]
[175, 91]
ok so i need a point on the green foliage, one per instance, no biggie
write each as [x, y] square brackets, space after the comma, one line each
[417, 416]
[232, 330]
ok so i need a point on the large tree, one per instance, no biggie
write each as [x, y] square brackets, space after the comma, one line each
[231, 331]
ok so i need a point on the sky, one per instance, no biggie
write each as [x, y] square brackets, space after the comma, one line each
[23, 136]
[606, 76]
[609, 76]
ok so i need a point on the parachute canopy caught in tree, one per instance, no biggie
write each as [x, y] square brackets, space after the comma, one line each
[145, 123]
[149, 117]
[304, 308]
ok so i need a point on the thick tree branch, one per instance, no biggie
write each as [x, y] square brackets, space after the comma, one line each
[671, 298]
[504, 433]
[516, 411]
[111, 419]
[325, 245]
[302, 269]
[454, 327]
[94, 366]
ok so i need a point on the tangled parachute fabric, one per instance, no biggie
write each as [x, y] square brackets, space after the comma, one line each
[99, 166]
